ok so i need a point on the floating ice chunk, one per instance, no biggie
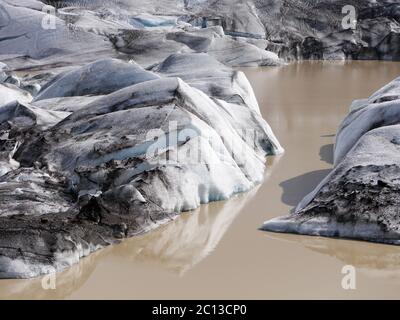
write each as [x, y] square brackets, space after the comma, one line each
[359, 199]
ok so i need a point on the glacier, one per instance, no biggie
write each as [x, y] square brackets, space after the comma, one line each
[116, 116]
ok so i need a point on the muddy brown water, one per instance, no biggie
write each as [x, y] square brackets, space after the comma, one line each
[217, 251]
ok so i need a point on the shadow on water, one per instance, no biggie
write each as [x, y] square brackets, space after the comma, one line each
[295, 189]
[328, 135]
[326, 153]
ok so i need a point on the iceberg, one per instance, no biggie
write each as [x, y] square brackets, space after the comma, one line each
[359, 199]
[93, 167]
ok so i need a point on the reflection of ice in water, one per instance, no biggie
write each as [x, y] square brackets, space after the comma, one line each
[177, 246]
[66, 282]
[183, 243]
[186, 241]
[374, 260]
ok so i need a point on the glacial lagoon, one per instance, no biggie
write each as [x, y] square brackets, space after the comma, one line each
[216, 251]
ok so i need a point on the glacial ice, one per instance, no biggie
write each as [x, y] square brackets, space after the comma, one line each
[120, 163]
[359, 198]
[10, 92]
[381, 109]
[25, 42]
[196, 115]
[97, 78]
[149, 47]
